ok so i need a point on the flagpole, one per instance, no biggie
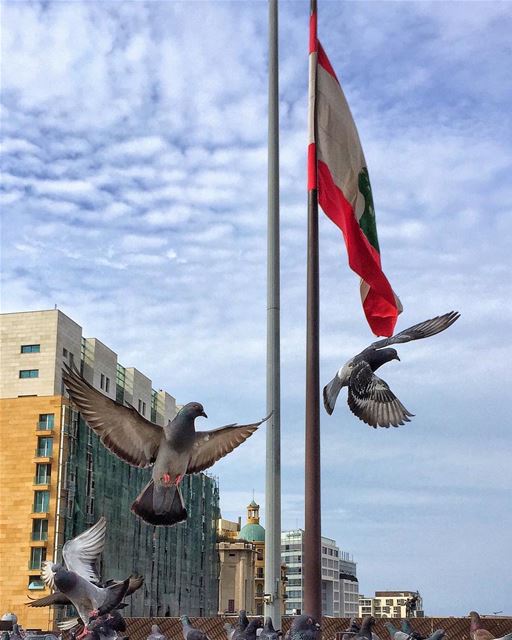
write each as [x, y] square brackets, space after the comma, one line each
[312, 517]
[273, 596]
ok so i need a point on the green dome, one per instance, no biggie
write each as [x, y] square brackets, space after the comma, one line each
[252, 533]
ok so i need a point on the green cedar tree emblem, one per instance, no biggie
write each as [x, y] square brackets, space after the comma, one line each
[367, 220]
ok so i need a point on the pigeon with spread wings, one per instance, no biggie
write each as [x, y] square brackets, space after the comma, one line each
[369, 397]
[174, 450]
[77, 578]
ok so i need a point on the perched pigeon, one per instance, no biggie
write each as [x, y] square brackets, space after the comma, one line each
[351, 630]
[476, 630]
[241, 625]
[175, 449]
[304, 627]
[156, 634]
[58, 598]
[407, 628]
[438, 634]
[16, 633]
[394, 633]
[76, 580]
[250, 631]
[268, 632]
[369, 397]
[189, 633]
[365, 632]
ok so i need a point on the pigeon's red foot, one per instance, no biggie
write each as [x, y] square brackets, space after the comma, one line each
[83, 633]
[94, 614]
[179, 479]
[166, 479]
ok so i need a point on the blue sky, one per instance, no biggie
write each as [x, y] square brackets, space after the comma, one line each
[134, 197]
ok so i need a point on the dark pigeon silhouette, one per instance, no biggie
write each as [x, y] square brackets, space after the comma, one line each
[369, 397]
[268, 632]
[156, 634]
[78, 578]
[351, 630]
[304, 627]
[241, 625]
[174, 450]
[437, 635]
[250, 631]
[365, 632]
[189, 632]
[407, 628]
[477, 631]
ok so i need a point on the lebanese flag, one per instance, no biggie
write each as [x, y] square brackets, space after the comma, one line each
[337, 168]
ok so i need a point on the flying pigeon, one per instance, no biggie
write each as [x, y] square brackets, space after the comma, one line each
[156, 634]
[58, 598]
[369, 397]
[268, 632]
[189, 633]
[77, 579]
[174, 450]
[476, 630]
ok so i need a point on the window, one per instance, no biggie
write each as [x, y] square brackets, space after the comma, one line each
[143, 408]
[37, 555]
[40, 530]
[102, 381]
[30, 348]
[29, 373]
[43, 473]
[107, 384]
[44, 447]
[231, 606]
[35, 582]
[46, 421]
[41, 501]
[65, 352]
[389, 602]
[140, 405]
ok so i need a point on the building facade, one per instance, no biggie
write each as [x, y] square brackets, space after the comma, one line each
[242, 564]
[392, 604]
[337, 592]
[58, 479]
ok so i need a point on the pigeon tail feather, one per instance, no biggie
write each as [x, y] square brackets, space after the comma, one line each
[173, 510]
[331, 392]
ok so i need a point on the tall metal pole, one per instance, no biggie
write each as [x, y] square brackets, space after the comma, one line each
[312, 525]
[273, 596]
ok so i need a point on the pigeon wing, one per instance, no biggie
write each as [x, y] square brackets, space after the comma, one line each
[210, 446]
[372, 401]
[423, 329]
[82, 553]
[47, 574]
[47, 601]
[121, 429]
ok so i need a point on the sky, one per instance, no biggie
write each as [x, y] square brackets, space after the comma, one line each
[134, 194]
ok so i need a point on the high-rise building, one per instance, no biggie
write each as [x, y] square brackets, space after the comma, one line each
[349, 586]
[57, 479]
[337, 597]
[392, 604]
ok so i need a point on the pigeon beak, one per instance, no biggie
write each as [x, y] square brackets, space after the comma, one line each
[203, 414]
[397, 358]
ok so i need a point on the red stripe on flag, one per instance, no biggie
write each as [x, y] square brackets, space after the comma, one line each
[312, 166]
[324, 61]
[313, 40]
[379, 305]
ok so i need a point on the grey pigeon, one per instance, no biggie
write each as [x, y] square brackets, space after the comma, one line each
[437, 635]
[351, 630]
[369, 397]
[58, 598]
[394, 633]
[304, 627]
[156, 634]
[241, 625]
[365, 632]
[174, 450]
[407, 628]
[250, 631]
[268, 632]
[78, 578]
[107, 626]
[16, 633]
[189, 632]
[229, 629]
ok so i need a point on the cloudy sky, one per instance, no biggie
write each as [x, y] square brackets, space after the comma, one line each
[134, 193]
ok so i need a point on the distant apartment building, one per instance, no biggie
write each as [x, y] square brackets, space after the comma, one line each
[338, 595]
[392, 604]
[57, 478]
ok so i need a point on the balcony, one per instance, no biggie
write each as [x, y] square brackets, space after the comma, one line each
[43, 453]
[38, 536]
[42, 425]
